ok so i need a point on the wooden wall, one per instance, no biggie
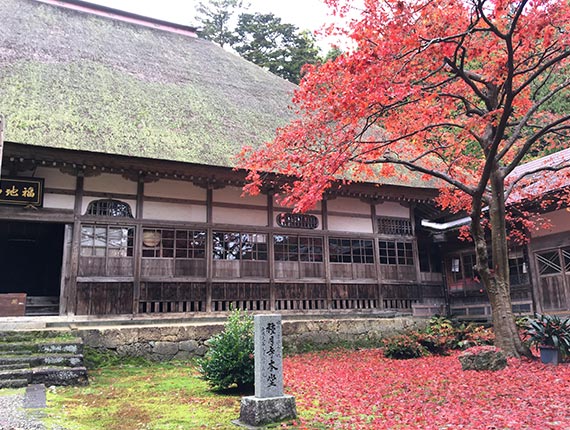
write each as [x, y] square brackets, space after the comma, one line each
[124, 280]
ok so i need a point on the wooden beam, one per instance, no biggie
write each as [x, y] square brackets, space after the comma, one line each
[71, 304]
[2, 122]
[209, 248]
[271, 251]
[137, 251]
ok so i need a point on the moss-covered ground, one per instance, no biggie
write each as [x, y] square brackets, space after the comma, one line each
[135, 397]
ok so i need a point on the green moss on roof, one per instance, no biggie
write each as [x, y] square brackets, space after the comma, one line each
[77, 81]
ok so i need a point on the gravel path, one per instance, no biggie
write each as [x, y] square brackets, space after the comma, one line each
[13, 416]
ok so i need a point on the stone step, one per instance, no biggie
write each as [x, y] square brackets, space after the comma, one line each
[13, 383]
[34, 335]
[70, 346]
[14, 366]
[71, 360]
[76, 376]
[48, 375]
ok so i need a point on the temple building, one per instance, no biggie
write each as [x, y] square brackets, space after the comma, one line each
[118, 192]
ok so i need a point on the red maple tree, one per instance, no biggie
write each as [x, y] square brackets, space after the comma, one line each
[456, 91]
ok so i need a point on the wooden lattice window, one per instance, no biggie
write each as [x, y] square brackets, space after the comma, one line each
[106, 241]
[174, 243]
[239, 246]
[298, 248]
[396, 253]
[394, 226]
[566, 255]
[109, 207]
[548, 263]
[463, 267]
[351, 250]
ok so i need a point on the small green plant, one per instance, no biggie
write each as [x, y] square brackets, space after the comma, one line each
[471, 335]
[403, 347]
[229, 359]
[439, 324]
[549, 330]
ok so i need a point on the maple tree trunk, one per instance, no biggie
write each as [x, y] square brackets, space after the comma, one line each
[496, 279]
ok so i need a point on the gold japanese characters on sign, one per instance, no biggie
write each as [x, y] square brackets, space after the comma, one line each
[22, 191]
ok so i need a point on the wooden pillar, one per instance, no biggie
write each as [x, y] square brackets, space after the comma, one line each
[416, 253]
[376, 249]
[326, 252]
[271, 251]
[71, 304]
[2, 122]
[65, 269]
[209, 247]
[137, 251]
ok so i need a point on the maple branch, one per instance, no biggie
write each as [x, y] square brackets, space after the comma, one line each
[558, 168]
[542, 84]
[470, 109]
[524, 120]
[532, 140]
[542, 69]
[480, 12]
[516, 17]
[538, 59]
[467, 77]
[416, 168]
[411, 134]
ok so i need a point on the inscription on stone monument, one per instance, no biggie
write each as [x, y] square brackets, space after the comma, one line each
[268, 356]
[269, 404]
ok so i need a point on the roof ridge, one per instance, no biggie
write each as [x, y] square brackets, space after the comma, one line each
[124, 16]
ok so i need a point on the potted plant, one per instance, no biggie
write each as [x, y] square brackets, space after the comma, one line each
[551, 334]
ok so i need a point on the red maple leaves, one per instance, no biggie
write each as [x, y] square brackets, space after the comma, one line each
[364, 390]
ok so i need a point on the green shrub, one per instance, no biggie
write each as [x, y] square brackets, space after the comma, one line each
[475, 335]
[229, 359]
[549, 330]
[404, 346]
[438, 344]
[440, 336]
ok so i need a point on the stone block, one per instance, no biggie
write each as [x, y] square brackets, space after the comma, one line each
[483, 358]
[188, 345]
[165, 348]
[259, 412]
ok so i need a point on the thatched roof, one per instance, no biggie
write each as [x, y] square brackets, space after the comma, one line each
[69, 79]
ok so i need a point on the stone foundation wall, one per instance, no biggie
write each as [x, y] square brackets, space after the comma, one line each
[183, 341]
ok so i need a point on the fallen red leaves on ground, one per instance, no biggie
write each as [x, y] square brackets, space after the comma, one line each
[364, 390]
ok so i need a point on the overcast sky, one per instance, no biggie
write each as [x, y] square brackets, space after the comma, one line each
[305, 14]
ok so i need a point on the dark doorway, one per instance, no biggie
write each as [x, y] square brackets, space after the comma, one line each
[30, 262]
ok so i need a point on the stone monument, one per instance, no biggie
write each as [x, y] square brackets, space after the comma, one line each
[269, 404]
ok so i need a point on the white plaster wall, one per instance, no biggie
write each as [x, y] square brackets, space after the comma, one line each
[345, 204]
[233, 195]
[281, 208]
[221, 215]
[55, 179]
[110, 183]
[174, 212]
[560, 221]
[173, 189]
[392, 209]
[59, 201]
[87, 200]
[355, 225]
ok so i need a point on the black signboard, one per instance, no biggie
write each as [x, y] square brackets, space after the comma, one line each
[22, 191]
[291, 220]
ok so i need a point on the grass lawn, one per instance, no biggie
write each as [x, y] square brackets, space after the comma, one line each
[334, 390]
